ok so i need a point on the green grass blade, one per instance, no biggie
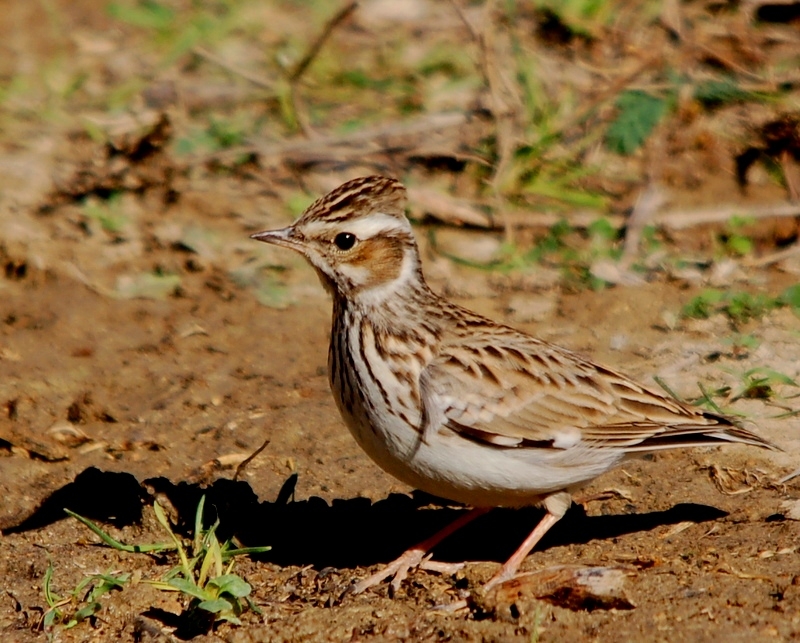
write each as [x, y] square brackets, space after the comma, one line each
[83, 613]
[112, 542]
[198, 526]
[162, 519]
[49, 596]
[190, 587]
[243, 551]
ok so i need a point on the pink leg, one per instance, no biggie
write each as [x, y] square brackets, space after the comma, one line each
[415, 556]
[512, 564]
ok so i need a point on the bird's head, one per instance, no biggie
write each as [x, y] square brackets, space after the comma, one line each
[357, 238]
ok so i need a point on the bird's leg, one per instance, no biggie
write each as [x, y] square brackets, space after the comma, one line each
[415, 556]
[556, 506]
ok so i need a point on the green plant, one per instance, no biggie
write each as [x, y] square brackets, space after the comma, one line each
[83, 601]
[760, 383]
[220, 134]
[174, 29]
[106, 212]
[741, 345]
[720, 91]
[204, 573]
[638, 114]
[735, 241]
[739, 306]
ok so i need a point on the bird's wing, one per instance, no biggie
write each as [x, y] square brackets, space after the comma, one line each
[509, 389]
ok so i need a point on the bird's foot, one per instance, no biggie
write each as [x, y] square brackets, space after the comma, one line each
[398, 569]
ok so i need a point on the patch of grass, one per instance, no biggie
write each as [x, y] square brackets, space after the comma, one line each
[721, 91]
[83, 601]
[204, 573]
[742, 345]
[220, 134]
[739, 306]
[561, 183]
[734, 240]
[637, 116]
[581, 17]
[106, 212]
[178, 30]
[706, 400]
[571, 250]
[761, 382]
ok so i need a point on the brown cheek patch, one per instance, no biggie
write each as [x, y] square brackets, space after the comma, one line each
[383, 258]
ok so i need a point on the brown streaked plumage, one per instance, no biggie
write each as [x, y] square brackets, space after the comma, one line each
[455, 404]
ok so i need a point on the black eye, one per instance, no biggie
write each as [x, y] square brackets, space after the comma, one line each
[344, 240]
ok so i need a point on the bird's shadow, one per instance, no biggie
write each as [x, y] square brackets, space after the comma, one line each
[345, 533]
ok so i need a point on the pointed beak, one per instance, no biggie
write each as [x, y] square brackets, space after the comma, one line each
[283, 237]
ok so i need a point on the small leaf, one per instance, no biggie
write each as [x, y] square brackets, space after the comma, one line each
[50, 618]
[190, 588]
[107, 584]
[740, 245]
[230, 618]
[243, 551]
[83, 613]
[638, 115]
[147, 14]
[215, 605]
[717, 92]
[231, 584]
[791, 297]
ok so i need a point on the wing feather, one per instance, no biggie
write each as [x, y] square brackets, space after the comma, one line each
[512, 390]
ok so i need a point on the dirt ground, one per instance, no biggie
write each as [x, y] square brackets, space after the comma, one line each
[139, 363]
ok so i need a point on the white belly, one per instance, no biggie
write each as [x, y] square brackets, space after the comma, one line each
[475, 473]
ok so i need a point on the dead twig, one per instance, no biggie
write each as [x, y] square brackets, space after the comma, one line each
[385, 137]
[682, 219]
[316, 44]
[502, 99]
[303, 64]
[248, 460]
[643, 213]
[257, 80]
[773, 257]
[447, 208]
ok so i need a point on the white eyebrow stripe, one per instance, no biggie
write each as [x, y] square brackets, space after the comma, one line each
[365, 228]
[376, 224]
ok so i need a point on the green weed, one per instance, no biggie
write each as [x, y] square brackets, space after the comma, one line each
[720, 91]
[734, 240]
[637, 116]
[570, 249]
[178, 31]
[739, 307]
[220, 134]
[204, 573]
[107, 213]
[83, 600]
[761, 382]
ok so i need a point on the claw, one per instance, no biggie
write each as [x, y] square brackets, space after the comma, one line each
[398, 569]
[416, 557]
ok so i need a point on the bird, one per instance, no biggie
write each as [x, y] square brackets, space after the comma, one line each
[456, 404]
